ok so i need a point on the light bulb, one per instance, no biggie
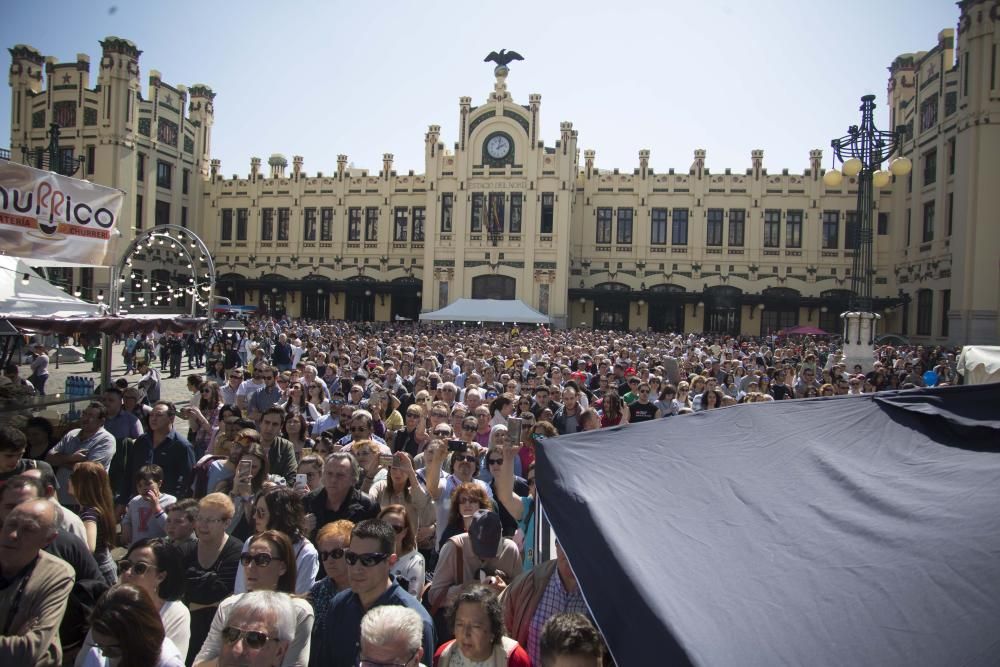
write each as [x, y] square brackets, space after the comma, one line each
[833, 178]
[881, 178]
[852, 167]
[901, 166]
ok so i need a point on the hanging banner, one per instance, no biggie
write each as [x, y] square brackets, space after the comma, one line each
[44, 216]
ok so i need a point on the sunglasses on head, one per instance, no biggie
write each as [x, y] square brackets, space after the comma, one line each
[251, 638]
[260, 560]
[138, 568]
[335, 554]
[367, 560]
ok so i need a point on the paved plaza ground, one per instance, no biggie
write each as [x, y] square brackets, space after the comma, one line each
[174, 389]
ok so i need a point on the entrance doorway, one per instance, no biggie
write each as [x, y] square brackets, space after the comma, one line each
[360, 307]
[722, 310]
[316, 306]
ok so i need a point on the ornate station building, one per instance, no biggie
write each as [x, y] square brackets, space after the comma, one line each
[501, 213]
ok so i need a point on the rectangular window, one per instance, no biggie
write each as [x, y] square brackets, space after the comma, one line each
[495, 214]
[928, 228]
[930, 167]
[925, 312]
[400, 224]
[909, 219]
[945, 307]
[624, 226]
[267, 224]
[242, 223]
[658, 227]
[326, 223]
[679, 232]
[548, 209]
[883, 224]
[227, 224]
[163, 174]
[965, 75]
[447, 205]
[140, 167]
[354, 224]
[309, 224]
[91, 158]
[442, 294]
[476, 223]
[772, 228]
[713, 234]
[284, 217]
[371, 223]
[793, 229]
[851, 229]
[951, 212]
[184, 216]
[928, 112]
[138, 213]
[737, 227]
[185, 177]
[419, 217]
[603, 226]
[951, 156]
[162, 213]
[993, 67]
[516, 206]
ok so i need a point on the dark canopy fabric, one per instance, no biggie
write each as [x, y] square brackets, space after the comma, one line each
[834, 531]
[109, 324]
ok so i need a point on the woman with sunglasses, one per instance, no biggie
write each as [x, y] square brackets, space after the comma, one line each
[316, 396]
[410, 567]
[441, 486]
[401, 487]
[368, 454]
[154, 565]
[298, 404]
[204, 419]
[331, 541]
[269, 565]
[210, 566]
[466, 500]
[127, 631]
[281, 509]
[245, 487]
[412, 438]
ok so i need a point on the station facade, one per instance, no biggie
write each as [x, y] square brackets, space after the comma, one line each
[502, 214]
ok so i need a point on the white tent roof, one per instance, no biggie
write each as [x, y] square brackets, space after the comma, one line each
[488, 310]
[39, 298]
[980, 364]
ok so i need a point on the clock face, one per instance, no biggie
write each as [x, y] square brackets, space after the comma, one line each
[498, 147]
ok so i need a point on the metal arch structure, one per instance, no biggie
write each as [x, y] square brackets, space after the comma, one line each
[163, 233]
[872, 147]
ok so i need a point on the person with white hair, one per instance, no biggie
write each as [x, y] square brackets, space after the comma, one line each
[259, 631]
[391, 635]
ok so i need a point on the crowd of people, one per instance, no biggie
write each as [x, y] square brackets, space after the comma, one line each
[341, 493]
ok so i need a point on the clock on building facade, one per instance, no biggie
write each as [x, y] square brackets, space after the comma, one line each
[498, 149]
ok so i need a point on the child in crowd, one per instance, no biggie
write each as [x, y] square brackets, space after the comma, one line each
[181, 517]
[144, 515]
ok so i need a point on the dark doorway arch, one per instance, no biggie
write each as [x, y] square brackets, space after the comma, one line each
[494, 287]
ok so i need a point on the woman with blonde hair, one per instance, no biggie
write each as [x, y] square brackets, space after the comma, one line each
[331, 542]
[367, 453]
[90, 484]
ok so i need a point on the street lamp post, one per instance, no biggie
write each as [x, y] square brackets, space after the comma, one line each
[862, 151]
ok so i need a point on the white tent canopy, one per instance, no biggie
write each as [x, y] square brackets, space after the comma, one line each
[980, 364]
[488, 310]
[39, 298]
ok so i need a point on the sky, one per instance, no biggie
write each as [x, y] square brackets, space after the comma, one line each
[366, 78]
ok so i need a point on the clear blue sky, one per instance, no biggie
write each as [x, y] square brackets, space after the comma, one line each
[363, 78]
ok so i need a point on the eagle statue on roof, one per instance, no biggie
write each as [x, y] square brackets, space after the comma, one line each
[502, 59]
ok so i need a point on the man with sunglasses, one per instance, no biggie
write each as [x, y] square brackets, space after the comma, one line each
[267, 396]
[369, 560]
[260, 629]
[230, 390]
